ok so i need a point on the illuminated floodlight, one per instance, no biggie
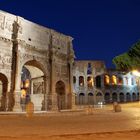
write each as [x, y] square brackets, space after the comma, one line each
[136, 73]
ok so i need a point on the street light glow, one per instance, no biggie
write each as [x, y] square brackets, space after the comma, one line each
[136, 73]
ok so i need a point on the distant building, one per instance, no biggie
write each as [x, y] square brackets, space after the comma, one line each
[37, 64]
[94, 84]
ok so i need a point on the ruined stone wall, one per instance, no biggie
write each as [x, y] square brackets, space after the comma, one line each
[80, 69]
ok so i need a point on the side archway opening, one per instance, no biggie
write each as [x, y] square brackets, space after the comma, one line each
[60, 90]
[3, 91]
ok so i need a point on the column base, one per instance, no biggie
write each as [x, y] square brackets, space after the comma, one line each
[54, 106]
[73, 106]
[17, 106]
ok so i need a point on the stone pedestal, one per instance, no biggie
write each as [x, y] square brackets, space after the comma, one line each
[73, 101]
[54, 103]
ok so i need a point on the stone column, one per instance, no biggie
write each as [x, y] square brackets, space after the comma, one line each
[45, 93]
[71, 87]
[125, 97]
[111, 97]
[17, 91]
[118, 97]
[54, 102]
[32, 87]
[95, 97]
[67, 96]
[52, 81]
[8, 95]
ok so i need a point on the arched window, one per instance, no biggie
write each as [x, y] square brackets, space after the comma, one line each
[106, 80]
[114, 80]
[128, 97]
[74, 80]
[81, 98]
[98, 81]
[134, 97]
[120, 81]
[114, 97]
[138, 96]
[81, 81]
[121, 97]
[90, 98]
[107, 97]
[99, 98]
[89, 82]
[89, 68]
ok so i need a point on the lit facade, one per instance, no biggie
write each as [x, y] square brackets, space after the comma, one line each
[108, 85]
[37, 64]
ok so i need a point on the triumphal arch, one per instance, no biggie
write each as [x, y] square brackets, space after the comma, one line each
[35, 65]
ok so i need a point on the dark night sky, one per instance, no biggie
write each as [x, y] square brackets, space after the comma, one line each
[101, 29]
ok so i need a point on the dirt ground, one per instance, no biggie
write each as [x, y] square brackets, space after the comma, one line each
[103, 124]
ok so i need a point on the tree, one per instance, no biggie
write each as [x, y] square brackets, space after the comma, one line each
[130, 59]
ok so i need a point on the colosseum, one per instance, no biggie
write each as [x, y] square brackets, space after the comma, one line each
[38, 64]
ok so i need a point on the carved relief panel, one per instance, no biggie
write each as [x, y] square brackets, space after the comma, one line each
[38, 87]
[5, 60]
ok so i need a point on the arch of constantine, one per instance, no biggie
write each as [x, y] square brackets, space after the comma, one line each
[35, 64]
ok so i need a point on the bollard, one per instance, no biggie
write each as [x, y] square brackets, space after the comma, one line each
[30, 109]
[114, 105]
[89, 110]
[118, 108]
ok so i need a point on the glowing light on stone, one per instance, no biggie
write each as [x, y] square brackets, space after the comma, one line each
[114, 80]
[27, 83]
[23, 93]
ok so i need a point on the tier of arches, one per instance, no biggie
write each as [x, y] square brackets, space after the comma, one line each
[92, 99]
[106, 79]
[90, 82]
[121, 97]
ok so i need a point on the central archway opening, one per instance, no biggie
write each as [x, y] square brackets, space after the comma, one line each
[60, 90]
[32, 85]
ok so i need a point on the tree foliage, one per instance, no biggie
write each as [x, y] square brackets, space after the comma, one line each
[130, 59]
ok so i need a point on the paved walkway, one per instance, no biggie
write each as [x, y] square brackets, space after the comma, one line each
[103, 121]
